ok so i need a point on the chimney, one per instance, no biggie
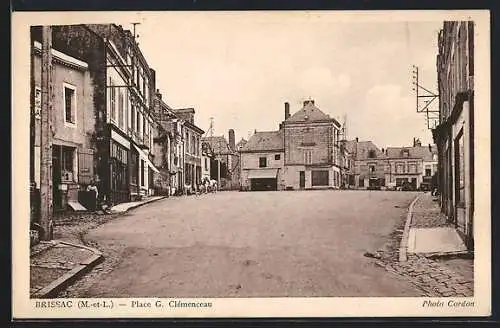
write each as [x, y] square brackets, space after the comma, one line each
[357, 140]
[430, 148]
[232, 144]
[287, 110]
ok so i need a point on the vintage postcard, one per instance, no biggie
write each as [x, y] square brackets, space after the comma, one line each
[251, 164]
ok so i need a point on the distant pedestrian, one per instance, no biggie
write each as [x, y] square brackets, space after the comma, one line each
[93, 187]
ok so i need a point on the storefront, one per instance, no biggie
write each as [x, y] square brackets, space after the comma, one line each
[263, 179]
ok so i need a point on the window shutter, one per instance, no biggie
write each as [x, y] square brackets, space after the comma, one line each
[85, 165]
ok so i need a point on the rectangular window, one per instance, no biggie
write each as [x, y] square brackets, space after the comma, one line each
[372, 168]
[112, 100]
[132, 116]
[133, 168]
[412, 168]
[277, 157]
[143, 177]
[206, 164]
[138, 121]
[120, 109]
[308, 157]
[69, 104]
[319, 178]
[262, 161]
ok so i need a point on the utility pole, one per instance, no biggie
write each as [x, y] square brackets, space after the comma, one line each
[46, 136]
[423, 94]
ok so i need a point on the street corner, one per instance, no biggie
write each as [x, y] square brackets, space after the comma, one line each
[55, 265]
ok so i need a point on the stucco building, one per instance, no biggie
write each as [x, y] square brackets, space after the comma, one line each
[262, 162]
[72, 126]
[122, 93]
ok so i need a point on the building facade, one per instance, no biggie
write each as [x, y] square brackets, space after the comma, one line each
[192, 149]
[262, 162]
[167, 143]
[411, 165]
[312, 149]
[122, 85]
[72, 124]
[225, 164]
[454, 135]
[392, 167]
[369, 165]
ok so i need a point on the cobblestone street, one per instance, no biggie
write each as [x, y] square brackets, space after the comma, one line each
[162, 249]
[291, 244]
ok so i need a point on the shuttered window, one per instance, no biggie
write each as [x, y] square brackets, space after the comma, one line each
[85, 165]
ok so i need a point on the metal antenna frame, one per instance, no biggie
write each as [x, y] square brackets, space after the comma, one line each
[210, 131]
[423, 93]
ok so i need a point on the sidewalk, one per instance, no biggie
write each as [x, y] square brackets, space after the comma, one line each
[124, 207]
[429, 232]
[57, 263]
[433, 260]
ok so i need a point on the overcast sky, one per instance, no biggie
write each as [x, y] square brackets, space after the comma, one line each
[240, 69]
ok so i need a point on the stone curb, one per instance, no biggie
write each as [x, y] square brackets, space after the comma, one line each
[403, 257]
[139, 205]
[62, 282]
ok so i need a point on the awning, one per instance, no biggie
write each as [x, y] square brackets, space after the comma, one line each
[145, 158]
[263, 174]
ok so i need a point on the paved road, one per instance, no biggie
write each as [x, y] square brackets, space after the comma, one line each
[231, 244]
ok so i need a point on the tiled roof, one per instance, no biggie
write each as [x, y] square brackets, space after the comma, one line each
[308, 113]
[264, 141]
[361, 150]
[413, 152]
[219, 145]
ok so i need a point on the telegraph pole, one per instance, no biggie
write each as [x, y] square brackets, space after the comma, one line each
[46, 136]
[423, 94]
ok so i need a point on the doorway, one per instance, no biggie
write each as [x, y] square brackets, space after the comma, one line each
[302, 179]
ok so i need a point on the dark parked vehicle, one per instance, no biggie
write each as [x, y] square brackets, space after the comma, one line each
[425, 186]
[407, 186]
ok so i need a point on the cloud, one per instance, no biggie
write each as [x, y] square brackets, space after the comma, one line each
[389, 118]
[320, 82]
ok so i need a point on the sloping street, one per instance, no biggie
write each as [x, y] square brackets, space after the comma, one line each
[256, 244]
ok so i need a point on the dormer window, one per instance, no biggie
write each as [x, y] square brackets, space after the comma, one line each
[405, 153]
[371, 153]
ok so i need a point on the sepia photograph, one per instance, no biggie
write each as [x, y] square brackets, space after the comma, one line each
[184, 163]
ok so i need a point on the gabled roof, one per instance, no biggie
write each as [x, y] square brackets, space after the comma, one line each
[362, 150]
[308, 113]
[219, 145]
[413, 152]
[264, 141]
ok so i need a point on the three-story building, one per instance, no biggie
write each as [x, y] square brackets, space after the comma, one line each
[454, 135]
[122, 85]
[312, 148]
